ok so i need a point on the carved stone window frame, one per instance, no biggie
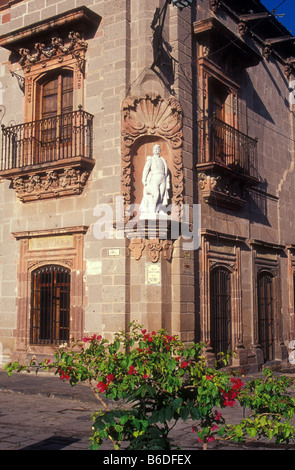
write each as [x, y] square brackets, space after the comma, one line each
[266, 258]
[64, 247]
[222, 250]
[290, 251]
[54, 42]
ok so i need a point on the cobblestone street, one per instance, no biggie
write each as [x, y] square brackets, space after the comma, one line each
[43, 413]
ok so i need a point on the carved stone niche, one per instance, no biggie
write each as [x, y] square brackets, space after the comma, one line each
[148, 120]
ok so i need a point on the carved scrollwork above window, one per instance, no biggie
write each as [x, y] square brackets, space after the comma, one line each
[76, 46]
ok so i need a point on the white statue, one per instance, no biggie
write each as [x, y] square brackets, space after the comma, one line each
[156, 182]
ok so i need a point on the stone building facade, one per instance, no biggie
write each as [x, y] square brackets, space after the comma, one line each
[87, 89]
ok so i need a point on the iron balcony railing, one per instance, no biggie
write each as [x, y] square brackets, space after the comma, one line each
[223, 144]
[47, 140]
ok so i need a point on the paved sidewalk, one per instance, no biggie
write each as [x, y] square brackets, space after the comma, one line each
[41, 412]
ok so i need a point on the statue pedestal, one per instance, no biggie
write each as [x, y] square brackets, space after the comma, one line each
[162, 228]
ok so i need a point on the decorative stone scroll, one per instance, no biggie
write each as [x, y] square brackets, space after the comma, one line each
[152, 117]
[76, 46]
[48, 184]
[214, 5]
[154, 248]
[224, 191]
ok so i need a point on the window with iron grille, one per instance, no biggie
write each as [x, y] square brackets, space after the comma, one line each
[220, 310]
[50, 315]
[266, 314]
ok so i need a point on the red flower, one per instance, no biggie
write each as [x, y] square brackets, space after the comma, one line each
[102, 387]
[92, 338]
[64, 375]
[237, 384]
[131, 370]
[110, 378]
[184, 365]
[218, 416]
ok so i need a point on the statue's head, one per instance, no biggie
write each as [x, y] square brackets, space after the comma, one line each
[157, 149]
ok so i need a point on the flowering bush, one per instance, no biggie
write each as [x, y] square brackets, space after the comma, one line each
[271, 409]
[147, 382]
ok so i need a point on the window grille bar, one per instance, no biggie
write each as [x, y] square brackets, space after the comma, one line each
[265, 315]
[220, 311]
[50, 315]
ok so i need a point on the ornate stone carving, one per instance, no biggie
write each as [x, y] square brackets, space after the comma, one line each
[136, 246]
[76, 46]
[167, 247]
[53, 183]
[243, 28]
[214, 5]
[224, 191]
[152, 116]
[267, 51]
[154, 248]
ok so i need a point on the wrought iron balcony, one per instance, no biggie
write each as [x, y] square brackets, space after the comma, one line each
[48, 157]
[47, 140]
[227, 162]
[223, 144]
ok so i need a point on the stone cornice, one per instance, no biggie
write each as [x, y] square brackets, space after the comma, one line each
[81, 18]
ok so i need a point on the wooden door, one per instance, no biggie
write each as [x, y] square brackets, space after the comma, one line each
[217, 99]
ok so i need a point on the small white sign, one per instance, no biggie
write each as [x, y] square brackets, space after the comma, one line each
[153, 274]
[93, 267]
[114, 252]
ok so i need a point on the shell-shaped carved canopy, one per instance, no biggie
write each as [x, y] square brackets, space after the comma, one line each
[151, 115]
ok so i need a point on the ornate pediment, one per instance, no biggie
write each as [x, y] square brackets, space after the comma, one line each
[57, 47]
[61, 35]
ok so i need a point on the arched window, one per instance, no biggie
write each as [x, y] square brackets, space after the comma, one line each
[50, 315]
[266, 314]
[220, 310]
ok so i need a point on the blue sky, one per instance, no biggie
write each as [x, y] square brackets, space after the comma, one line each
[287, 7]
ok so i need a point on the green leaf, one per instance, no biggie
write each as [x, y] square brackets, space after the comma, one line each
[169, 413]
[184, 412]
[176, 403]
